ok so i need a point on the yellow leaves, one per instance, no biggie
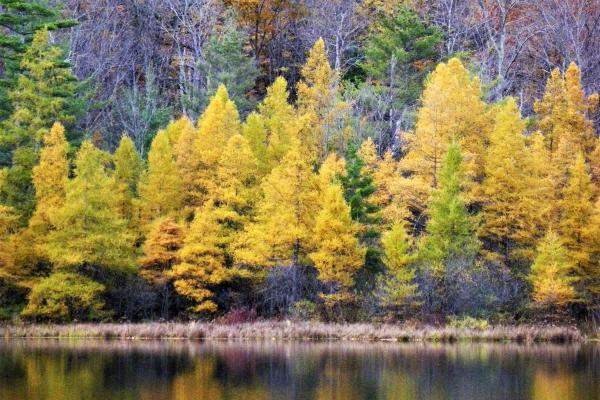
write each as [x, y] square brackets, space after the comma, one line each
[50, 177]
[161, 250]
[320, 103]
[285, 215]
[514, 207]
[576, 209]
[451, 109]
[338, 255]
[160, 186]
[202, 261]
[563, 115]
[219, 122]
[551, 272]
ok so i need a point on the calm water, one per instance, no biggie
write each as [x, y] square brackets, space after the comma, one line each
[179, 370]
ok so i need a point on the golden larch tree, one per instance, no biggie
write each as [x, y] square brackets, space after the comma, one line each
[160, 185]
[184, 136]
[452, 109]
[338, 255]
[398, 283]
[88, 228]
[219, 122]
[128, 170]
[576, 208]
[512, 209]
[551, 273]
[50, 178]
[320, 101]
[202, 261]
[282, 230]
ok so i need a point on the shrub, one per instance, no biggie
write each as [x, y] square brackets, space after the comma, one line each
[64, 297]
[305, 310]
[468, 323]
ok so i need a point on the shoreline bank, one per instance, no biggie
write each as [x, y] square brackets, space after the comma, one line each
[300, 331]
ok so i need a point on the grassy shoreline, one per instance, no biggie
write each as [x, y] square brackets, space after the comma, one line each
[299, 331]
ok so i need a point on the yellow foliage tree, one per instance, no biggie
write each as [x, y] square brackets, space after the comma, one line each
[88, 228]
[398, 286]
[160, 254]
[452, 109]
[392, 193]
[591, 271]
[512, 210]
[183, 135]
[128, 169]
[273, 126]
[338, 255]
[219, 122]
[238, 189]
[319, 100]
[281, 232]
[160, 185]
[563, 111]
[550, 274]
[576, 208]
[330, 171]
[50, 178]
[203, 264]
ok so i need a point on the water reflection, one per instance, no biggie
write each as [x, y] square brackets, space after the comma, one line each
[68, 370]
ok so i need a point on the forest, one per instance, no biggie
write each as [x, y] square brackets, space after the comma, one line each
[344, 160]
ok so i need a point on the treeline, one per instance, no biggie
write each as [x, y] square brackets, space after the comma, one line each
[300, 205]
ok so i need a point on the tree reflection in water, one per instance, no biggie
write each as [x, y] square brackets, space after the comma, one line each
[106, 370]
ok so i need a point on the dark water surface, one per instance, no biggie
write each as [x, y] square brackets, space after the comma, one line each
[67, 370]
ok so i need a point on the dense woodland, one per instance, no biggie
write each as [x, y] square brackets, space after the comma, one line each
[344, 160]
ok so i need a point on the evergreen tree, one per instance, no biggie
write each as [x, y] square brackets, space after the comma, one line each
[44, 94]
[225, 63]
[203, 263]
[128, 170]
[450, 230]
[160, 186]
[398, 55]
[281, 232]
[358, 188]
[338, 255]
[551, 272]
[20, 20]
[451, 109]
[88, 229]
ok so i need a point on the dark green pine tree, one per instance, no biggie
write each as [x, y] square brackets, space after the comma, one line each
[450, 230]
[19, 20]
[227, 63]
[400, 52]
[358, 190]
[45, 93]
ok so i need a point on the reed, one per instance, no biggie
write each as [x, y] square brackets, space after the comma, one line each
[298, 331]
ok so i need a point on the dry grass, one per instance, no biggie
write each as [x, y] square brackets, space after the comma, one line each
[298, 331]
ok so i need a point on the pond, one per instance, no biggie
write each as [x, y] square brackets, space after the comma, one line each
[106, 370]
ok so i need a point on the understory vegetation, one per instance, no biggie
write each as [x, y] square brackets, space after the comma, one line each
[426, 199]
